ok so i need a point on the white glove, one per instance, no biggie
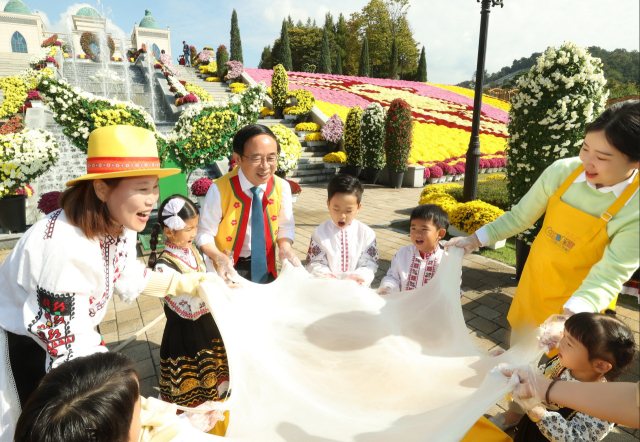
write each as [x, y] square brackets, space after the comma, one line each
[552, 332]
[205, 421]
[286, 252]
[526, 393]
[383, 290]
[225, 269]
[468, 243]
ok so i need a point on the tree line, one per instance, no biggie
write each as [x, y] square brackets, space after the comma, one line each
[375, 42]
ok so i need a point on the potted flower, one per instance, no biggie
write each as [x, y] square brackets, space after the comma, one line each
[483, 165]
[435, 174]
[187, 101]
[302, 101]
[26, 156]
[48, 202]
[460, 170]
[51, 63]
[352, 141]
[279, 90]
[295, 190]
[235, 70]
[399, 133]
[34, 98]
[469, 217]
[199, 189]
[304, 129]
[315, 139]
[448, 171]
[372, 142]
[27, 191]
[332, 131]
[290, 149]
[334, 160]
[426, 175]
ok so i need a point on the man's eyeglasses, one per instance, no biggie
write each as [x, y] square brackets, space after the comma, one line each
[256, 161]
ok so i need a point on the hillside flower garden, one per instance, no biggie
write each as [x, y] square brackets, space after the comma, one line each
[441, 115]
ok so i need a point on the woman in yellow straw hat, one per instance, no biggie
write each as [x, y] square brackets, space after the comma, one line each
[57, 281]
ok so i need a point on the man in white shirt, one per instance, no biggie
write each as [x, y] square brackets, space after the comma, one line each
[231, 233]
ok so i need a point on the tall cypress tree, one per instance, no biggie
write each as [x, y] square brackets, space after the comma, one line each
[285, 48]
[266, 60]
[236, 43]
[422, 67]
[338, 64]
[324, 66]
[393, 70]
[364, 68]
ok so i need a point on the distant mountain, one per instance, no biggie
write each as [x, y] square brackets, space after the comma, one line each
[619, 66]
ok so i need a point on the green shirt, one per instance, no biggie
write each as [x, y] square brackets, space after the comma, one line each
[621, 256]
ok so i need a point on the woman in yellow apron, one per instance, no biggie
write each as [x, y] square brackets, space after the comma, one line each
[588, 245]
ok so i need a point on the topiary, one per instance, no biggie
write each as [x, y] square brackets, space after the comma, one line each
[222, 56]
[352, 137]
[557, 98]
[372, 137]
[279, 86]
[399, 132]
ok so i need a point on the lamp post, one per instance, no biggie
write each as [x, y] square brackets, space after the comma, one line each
[473, 153]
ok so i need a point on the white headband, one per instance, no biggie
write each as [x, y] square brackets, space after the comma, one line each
[173, 207]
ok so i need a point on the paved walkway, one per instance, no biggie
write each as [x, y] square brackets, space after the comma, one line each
[488, 288]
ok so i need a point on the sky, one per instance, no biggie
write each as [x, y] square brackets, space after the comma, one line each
[448, 29]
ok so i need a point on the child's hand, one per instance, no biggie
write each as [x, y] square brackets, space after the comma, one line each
[357, 278]
[383, 290]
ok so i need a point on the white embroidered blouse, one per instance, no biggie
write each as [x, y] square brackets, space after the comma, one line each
[186, 306]
[56, 283]
[410, 270]
[341, 252]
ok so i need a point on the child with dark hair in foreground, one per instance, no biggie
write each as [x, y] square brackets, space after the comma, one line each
[343, 247]
[596, 347]
[415, 265]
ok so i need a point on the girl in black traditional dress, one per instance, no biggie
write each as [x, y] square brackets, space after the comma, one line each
[193, 361]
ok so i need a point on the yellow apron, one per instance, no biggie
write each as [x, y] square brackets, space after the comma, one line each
[569, 244]
[485, 431]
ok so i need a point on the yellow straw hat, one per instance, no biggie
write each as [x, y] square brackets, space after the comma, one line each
[122, 151]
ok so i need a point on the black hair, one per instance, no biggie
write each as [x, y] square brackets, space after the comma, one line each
[248, 132]
[621, 126]
[188, 211]
[605, 337]
[346, 184]
[90, 398]
[433, 213]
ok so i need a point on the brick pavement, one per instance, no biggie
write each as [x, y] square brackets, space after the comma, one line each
[488, 289]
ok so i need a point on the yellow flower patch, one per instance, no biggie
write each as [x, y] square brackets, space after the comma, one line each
[316, 136]
[335, 157]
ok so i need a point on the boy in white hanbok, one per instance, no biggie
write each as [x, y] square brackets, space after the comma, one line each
[343, 247]
[415, 265]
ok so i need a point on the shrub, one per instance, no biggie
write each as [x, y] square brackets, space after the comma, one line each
[447, 202]
[399, 131]
[558, 97]
[352, 137]
[469, 217]
[372, 137]
[439, 188]
[279, 86]
[494, 192]
[222, 57]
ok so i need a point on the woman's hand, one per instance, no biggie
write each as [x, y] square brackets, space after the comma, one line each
[286, 252]
[468, 243]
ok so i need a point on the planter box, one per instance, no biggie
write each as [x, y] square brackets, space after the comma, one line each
[36, 103]
[482, 170]
[457, 177]
[328, 165]
[294, 197]
[200, 201]
[498, 245]
[448, 178]
[413, 177]
[433, 180]
[290, 117]
[270, 117]
[316, 143]
[304, 133]
[453, 231]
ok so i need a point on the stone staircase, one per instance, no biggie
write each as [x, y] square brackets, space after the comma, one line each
[310, 167]
[219, 91]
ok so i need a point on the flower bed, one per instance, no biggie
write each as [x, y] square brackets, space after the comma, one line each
[442, 116]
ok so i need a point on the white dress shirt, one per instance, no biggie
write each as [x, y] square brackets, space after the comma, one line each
[211, 214]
